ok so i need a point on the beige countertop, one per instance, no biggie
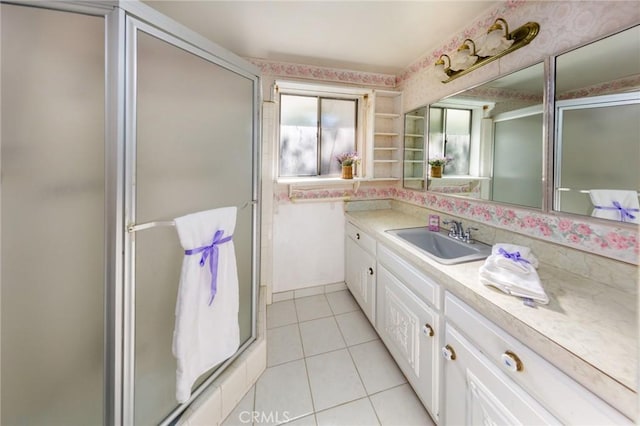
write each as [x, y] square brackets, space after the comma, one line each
[588, 330]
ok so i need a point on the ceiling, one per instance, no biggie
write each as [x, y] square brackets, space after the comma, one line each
[374, 36]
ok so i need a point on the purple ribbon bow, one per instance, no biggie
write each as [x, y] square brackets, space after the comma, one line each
[211, 252]
[624, 213]
[515, 256]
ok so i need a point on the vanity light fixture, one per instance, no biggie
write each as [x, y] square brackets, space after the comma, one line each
[497, 43]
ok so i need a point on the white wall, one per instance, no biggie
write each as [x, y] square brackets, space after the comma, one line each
[308, 245]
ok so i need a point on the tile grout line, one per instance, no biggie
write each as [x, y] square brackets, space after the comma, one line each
[306, 370]
[368, 396]
[314, 319]
[360, 377]
[357, 308]
[295, 310]
[320, 317]
[313, 404]
[347, 346]
[305, 357]
[290, 360]
[392, 387]
[297, 324]
[349, 402]
[253, 408]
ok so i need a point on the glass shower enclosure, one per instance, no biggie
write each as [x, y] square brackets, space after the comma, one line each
[112, 116]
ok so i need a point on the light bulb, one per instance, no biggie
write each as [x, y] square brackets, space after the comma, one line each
[496, 39]
[439, 69]
[440, 73]
[463, 59]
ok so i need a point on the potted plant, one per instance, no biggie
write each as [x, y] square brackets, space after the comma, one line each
[437, 165]
[347, 161]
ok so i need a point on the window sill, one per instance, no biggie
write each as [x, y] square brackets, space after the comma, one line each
[328, 181]
[297, 187]
[461, 177]
[313, 180]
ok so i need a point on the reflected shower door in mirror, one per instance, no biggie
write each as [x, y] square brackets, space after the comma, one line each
[492, 137]
[598, 129]
[414, 164]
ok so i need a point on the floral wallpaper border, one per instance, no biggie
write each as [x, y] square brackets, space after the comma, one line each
[614, 86]
[501, 94]
[616, 243]
[312, 72]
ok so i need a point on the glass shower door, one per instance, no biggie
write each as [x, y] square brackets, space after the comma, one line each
[53, 210]
[194, 152]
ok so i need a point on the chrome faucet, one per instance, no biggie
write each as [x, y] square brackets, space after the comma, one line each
[457, 231]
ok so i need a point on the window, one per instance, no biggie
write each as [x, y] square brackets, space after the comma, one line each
[450, 135]
[313, 131]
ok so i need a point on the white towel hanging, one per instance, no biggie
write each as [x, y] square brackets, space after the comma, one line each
[615, 204]
[206, 329]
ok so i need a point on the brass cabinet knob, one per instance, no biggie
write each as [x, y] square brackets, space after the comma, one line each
[448, 353]
[511, 361]
[427, 330]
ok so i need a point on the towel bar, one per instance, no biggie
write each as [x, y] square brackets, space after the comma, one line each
[582, 191]
[134, 228]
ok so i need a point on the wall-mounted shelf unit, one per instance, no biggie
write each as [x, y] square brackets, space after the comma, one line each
[385, 152]
[414, 144]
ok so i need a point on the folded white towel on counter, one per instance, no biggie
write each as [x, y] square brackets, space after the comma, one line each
[514, 257]
[615, 204]
[515, 284]
[206, 330]
[512, 269]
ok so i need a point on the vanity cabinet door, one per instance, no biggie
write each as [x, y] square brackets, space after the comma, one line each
[360, 276]
[477, 393]
[410, 330]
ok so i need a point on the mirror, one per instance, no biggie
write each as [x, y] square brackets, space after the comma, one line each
[598, 129]
[493, 136]
[414, 143]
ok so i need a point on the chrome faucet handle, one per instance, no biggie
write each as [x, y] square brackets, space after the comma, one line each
[467, 234]
[456, 231]
[453, 230]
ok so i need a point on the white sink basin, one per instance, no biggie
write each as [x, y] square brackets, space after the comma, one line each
[441, 247]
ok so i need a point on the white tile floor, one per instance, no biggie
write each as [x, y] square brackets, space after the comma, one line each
[327, 366]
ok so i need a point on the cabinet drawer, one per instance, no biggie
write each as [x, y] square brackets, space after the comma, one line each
[478, 393]
[362, 239]
[568, 400]
[421, 285]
